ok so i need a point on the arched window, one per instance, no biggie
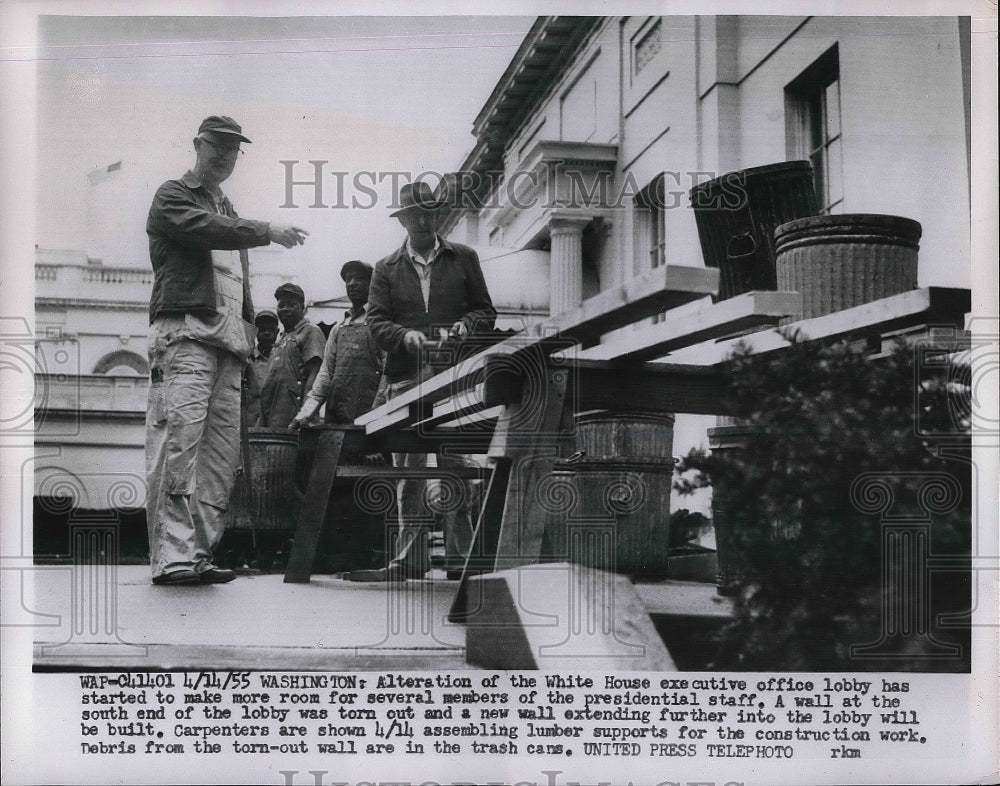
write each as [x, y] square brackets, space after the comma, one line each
[122, 363]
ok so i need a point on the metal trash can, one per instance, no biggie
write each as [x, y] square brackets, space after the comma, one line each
[726, 438]
[268, 496]
[736, 215]
[615, 515]
[841, 261]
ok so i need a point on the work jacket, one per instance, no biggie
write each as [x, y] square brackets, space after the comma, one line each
[396, 303]
[184, 227]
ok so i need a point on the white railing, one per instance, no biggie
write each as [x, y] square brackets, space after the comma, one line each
[90, 393]
[93, 282]
[118, 275]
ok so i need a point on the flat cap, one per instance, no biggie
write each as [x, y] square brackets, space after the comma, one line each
[220, 124]
[357, 266]
[290, 290]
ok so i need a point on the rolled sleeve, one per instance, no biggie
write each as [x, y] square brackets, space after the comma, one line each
[312, 345]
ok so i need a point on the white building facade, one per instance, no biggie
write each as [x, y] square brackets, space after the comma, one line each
[596, 116]
[584, 156]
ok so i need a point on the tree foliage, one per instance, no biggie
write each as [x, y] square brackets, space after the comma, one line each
[831, 434]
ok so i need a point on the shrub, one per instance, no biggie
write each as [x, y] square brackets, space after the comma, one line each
[807, 548]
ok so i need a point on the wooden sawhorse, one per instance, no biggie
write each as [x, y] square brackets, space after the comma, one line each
[329, 443]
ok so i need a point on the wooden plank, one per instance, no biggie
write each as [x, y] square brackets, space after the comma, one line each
[309, 523]
[626, 385]
[471, 439]
[398, 417]
[482, 555]
[931, 305]
[531, 441]
[457, 408]
[649, 387]
[684, 598]
[481, 420]
[565, 616]
[928, 339]
[412, 473]
[403, 410]
[749, 311]
[659, 290]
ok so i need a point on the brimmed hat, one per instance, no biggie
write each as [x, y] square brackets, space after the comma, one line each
[265, 313]
[291, 290]
[220, 124]
[358, 265]
[417, 196]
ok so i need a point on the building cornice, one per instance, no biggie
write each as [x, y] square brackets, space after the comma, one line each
[104, 305]
[548, 47]
[553, 179]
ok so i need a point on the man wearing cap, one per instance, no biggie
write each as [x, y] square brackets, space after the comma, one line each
[266, 323]
[347, 383]
[200, 325]
[294, 362]
[352, 363]
[426, 286]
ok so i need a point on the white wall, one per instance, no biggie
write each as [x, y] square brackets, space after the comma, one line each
[902, 115]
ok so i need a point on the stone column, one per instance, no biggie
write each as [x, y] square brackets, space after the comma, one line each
[566, 284]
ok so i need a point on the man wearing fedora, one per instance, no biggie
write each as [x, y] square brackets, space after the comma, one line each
[426, 286]
[201, 319]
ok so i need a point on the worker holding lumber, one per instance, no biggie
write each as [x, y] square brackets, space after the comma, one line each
[352, 362]
[426, 286]
[346, 384]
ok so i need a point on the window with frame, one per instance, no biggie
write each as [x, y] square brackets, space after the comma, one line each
[647, 47]
[813, 128]
[650, 229]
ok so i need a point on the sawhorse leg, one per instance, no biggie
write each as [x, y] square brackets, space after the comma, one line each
[312, 514]
[532, 455]
[512, 523]
[482, 556]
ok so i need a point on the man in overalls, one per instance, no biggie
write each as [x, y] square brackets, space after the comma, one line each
[295, 360]
[352, 363]
[347, 383]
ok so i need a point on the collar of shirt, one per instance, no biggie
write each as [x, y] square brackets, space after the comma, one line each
[191, 180]
[421, 260]
[350, 317]
[298, 326]
[220, 200]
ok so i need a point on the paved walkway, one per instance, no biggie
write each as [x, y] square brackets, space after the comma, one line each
[112, 617]
[115, 617]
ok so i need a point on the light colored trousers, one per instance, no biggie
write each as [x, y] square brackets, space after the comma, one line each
[192, 451]
[419, 500]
